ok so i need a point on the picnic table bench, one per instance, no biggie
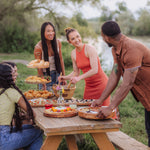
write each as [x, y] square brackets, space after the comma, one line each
[124, 142]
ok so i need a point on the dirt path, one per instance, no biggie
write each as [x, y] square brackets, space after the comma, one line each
[18, 61]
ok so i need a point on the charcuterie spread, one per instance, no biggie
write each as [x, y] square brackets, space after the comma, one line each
[38, 102]
[60, 112]
[91, 113]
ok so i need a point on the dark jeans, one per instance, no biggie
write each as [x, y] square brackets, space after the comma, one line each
[147, 125]
[54, 77]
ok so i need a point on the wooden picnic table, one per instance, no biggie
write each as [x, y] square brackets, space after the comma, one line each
[56, 128]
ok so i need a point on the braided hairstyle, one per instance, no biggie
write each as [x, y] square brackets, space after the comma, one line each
[6, 82]
[54, 47]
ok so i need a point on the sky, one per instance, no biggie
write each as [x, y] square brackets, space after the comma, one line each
[89, 11]
[132, 5]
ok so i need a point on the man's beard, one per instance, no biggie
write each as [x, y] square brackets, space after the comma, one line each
[109, 44]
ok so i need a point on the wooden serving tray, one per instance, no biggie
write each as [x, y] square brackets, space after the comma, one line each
[37, 82]
[38, 67]
[60, 114]
[91, 113]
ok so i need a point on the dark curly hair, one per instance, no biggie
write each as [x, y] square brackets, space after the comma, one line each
[6, 82]
[54, 47]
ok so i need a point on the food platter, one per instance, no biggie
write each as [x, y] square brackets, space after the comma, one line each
[34, 66]
[37, 63]
[91, 113]
[73, 101]
[37, 80]
[60, 112]
[32, 94]
[38, 102]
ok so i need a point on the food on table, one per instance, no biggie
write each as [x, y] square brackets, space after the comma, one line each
[60, 112]
[38, 102]
[91, 113]
[74, 101]
[48, 106]
[37, 63]
[36, 94]
[36, 79]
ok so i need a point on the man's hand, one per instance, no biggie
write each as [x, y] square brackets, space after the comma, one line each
[96, 103]
[104, 112]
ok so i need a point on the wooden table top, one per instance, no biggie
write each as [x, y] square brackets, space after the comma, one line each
[73, 125]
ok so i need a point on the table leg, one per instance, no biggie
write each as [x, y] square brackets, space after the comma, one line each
[102, 141]
[51, 142]
[71, 142]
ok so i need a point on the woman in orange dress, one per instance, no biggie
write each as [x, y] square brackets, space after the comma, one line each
[85, 58]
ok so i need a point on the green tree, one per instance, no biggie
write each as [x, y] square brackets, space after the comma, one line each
[142, 26]
[20, 21]
[126, 21]
[106, 14]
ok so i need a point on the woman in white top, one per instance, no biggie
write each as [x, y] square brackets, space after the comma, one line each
[49, 49]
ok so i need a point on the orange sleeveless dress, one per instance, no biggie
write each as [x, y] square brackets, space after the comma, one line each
[95, 84]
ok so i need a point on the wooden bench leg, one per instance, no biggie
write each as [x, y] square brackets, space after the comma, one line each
[71, 142]
[51, 142]
[102, 141]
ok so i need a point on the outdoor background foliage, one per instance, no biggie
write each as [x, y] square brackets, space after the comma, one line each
[20, 21]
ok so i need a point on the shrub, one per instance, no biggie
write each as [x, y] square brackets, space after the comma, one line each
[66, 53]
[16, 38]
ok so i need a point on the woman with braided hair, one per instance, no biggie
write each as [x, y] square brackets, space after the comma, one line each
[11, 100]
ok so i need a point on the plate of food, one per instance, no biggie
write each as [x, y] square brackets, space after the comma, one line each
[32, 94]
[37, 80]
[91, 113]
[37, 63]
[73, 101]
[38, 102]
[60, 112]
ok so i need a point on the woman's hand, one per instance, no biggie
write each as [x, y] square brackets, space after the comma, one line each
[74, 80]
[63, 82]
[61, 78]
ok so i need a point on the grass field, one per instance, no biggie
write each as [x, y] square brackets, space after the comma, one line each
[131, 112]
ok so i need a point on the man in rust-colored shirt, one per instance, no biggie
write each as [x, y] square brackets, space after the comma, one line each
[132, 62]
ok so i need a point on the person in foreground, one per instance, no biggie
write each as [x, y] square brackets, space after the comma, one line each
[85, 58]
[132, 62]
[11, 101]
[49, 49]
